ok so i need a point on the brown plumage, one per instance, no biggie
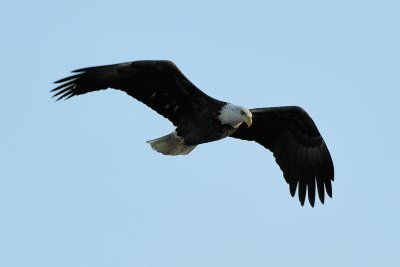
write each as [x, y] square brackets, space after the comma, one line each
[289, 132]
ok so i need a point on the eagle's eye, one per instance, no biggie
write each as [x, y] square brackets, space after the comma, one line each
[242, 112]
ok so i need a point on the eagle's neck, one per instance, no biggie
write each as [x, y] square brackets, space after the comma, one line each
[234, 115]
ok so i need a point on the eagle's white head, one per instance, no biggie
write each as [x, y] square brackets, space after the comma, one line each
[235, 115]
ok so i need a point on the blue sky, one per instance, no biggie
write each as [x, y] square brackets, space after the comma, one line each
[80, 187]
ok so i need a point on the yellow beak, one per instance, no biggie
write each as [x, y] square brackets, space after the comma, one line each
[248, 120]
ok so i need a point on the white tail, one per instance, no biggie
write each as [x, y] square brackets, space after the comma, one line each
[171, 144]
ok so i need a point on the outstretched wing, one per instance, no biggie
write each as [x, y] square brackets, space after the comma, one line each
[298, 147]
[157, 83]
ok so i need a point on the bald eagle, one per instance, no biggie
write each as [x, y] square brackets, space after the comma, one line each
[288, 132]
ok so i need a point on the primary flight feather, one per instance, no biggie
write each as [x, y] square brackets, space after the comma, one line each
[289, 132]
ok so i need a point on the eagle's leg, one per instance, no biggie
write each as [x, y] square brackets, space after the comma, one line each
[171, 144]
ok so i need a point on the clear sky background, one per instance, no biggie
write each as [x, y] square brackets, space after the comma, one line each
[80, 187]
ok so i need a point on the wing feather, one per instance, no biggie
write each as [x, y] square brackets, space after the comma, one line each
[298, 148]
[157, 83]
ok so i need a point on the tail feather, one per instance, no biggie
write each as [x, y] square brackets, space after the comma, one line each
[171, 144]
